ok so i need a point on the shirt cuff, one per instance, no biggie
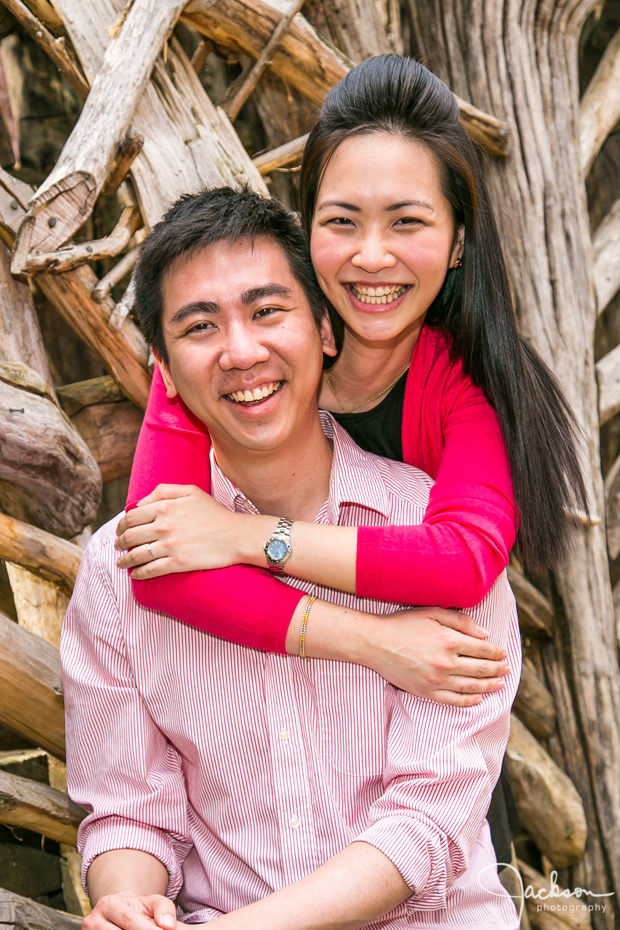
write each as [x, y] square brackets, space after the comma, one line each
[112, 833]
[421, 856]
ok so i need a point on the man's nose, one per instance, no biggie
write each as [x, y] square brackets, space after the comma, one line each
[373, 252]
[243, 348]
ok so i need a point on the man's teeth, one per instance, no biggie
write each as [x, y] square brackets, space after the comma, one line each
[257, 394]
[378, 295]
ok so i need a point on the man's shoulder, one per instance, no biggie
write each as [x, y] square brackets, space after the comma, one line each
[100, 555]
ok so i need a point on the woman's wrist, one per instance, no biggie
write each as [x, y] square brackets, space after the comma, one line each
[251, 538]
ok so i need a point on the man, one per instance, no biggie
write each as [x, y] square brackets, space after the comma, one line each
[261, 789]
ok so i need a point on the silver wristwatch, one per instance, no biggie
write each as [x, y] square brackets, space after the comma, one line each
[278, 549]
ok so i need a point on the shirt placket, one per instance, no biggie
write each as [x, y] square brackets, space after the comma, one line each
[291, 784]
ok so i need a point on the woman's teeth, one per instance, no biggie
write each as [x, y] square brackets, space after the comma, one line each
[378, 295]
[258, 393]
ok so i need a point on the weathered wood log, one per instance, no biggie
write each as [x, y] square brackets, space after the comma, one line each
[55, 47]
[534, 704]
[116, 274]
[18, 913]
[280, 156]
[70, 257]
[67, 196]
[302, 58]
[550, 906]
[30, 687]
[74, 397]
[29, 804]
[40, 604]
[549, 806]
[48, 556]
[535, 611]
[600, 105]
[55, 482]
[606, 246]
[111, 433]
[241, 89]
[608, 378]
[188, 144]
[76, 900]
[123, 352]
[612, 506]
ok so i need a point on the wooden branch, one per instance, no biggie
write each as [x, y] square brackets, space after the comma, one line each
[52, 46]
[122, 268]
[549, 806]
[612, 505]
[302, 58]
[240, 90]
[606, 247]
[547, 910]
[81, 394]
[122, 352]
[34, 806]
[199, 58]
[49, 556]
[17, 913]
[535, 611]
[44, 11]
[69, 257]
[490, 133]
[600, 105]
[55, 481]
[67, 196]
[534, 705]
[111, 433]
[281, 156]
[30, 687]
[608, 377]
[127, 152]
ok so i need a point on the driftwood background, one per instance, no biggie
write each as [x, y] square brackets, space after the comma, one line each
[109, 112]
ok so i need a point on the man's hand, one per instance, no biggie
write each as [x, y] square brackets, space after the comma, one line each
[131, 912]
[435, 653]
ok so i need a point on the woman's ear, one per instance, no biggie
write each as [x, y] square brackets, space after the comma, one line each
[171, 391]
[459, 244]
[327, 336]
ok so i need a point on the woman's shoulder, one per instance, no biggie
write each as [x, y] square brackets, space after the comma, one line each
[433, 361]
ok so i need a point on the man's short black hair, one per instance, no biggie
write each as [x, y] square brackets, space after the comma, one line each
[199, 220]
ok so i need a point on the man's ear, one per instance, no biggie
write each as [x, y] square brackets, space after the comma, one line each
[327, 336]
[171, 391]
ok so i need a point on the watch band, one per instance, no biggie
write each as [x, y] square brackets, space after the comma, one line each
[278, 548]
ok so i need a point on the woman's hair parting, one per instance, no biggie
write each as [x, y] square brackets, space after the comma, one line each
[392, 94]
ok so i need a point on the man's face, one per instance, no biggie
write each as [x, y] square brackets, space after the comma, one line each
[244, 351]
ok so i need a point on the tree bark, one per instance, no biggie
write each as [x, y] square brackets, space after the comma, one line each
[519, 60]
[29, 804]
[17, 913]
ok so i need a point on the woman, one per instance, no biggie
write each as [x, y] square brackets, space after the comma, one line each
[431, 370]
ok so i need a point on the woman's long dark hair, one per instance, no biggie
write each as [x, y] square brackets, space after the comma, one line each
[474, 307]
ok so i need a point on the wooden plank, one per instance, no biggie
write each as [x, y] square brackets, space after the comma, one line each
[535, 610]
[55, 559]
[31, 688]
[33, 806]
[19, 913]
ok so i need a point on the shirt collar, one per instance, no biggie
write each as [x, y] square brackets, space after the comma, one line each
[354, 478]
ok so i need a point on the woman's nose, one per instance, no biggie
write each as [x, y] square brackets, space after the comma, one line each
[373, 253]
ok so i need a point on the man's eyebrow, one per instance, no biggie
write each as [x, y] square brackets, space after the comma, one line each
[196, 306]
[264, 290]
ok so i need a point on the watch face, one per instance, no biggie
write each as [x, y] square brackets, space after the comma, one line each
[277, 549]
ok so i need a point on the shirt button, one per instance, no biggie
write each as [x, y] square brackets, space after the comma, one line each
[285, 735]
[294, 822]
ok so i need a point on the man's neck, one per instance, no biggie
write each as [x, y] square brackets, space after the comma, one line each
[291, 481]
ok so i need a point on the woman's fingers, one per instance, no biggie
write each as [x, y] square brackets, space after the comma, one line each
[165, 492]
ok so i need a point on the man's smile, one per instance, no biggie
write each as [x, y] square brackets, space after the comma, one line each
[249, 397]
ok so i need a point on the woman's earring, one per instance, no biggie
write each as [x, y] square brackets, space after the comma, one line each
[458, 262]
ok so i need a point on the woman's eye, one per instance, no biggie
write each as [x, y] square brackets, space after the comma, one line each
[340, 221]
[409, 221]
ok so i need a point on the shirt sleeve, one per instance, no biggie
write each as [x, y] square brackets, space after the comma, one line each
[120, 766]
[242, 604]
[463, 544]
[442, 765]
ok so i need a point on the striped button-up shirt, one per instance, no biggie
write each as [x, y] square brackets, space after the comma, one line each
[244, 771]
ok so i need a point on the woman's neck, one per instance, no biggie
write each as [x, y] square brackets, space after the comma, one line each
[364, 370]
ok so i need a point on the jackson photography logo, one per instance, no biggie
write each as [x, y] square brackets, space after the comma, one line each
[553, 899]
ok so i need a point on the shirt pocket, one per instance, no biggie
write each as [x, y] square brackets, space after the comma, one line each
[352, 717]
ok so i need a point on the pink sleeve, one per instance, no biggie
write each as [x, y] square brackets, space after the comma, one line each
[243, 604]
[453, 558]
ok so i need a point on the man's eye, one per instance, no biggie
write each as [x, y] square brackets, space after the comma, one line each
[200, 327]
[266, 311]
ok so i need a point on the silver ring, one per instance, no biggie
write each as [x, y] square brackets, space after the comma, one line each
[150, 551]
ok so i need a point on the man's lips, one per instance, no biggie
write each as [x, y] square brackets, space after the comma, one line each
[250, 396]
[381, 294]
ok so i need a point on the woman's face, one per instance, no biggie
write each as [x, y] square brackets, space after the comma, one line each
[383, 235]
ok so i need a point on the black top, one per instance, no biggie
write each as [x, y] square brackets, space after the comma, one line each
[380, 431]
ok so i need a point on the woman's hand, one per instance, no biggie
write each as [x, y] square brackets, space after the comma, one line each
[185, 530]
[435, 653]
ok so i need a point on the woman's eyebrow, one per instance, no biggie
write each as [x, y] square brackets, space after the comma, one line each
[340, 204]
[411, 203]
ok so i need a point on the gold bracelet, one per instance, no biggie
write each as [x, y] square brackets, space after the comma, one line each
[303, 628]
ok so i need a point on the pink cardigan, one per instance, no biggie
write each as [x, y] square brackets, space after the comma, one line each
[452, 559]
